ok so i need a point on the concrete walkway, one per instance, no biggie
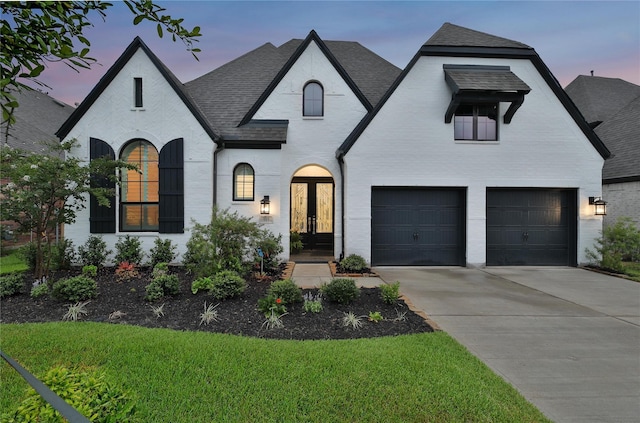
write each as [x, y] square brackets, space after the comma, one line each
[568, 339]
[313, 275]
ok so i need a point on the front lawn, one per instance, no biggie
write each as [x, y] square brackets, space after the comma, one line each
[204, 377]
[12, 263]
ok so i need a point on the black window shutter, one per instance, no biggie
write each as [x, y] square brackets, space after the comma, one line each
[102, 219]
[171, 190]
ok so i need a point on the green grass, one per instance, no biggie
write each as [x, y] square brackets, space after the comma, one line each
[12, 263]
[204, 377]
[632, 269]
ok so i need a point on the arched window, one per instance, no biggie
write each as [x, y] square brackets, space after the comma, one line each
[139, 188]
[243, 182]
[313, 100]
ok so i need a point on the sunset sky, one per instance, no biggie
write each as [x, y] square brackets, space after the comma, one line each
[572, 37]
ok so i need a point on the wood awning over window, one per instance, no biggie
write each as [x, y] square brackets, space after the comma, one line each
[474, 84]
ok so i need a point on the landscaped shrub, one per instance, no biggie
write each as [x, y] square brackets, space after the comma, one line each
[201, 284]
[295, 242]
[77, 288]
[27, 253]
[390, 292]
[63, 254]
[39, 290]
[271, 247]
[161, 286]
[94, 251]
[160, 269]
[87, 392]
[353, 264]
[287, 290]
[163, 251]
[227, 284]
[90, 271]
[271, 305]
[11, 284]
[228, 242]
[619, 242]
[341, 290]
[128, 249]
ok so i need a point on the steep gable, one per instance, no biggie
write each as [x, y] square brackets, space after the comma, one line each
[113, 71]
[230, 95]
[456, 41]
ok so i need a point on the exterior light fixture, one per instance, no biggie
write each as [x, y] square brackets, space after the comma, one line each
[600, 205]
[265, 207]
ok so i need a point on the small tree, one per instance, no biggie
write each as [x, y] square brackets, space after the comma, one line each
[44, 190]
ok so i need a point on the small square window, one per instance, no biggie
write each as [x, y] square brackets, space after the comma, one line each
[476, 122]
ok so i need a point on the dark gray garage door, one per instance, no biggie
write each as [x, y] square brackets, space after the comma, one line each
[535, 227]
[418, 226]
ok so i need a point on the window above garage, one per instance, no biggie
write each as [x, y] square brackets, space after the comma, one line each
[476, 89]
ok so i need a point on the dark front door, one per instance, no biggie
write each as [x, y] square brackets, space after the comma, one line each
[312, 212]
[534, 227]
[418, 226]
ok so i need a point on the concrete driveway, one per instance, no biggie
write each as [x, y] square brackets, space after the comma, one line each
[568, 339]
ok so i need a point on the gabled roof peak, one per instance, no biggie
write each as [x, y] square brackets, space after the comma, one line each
[451, 35]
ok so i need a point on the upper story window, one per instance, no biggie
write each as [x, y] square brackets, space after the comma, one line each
[243, 182]
[313, 99]
[137, 91]
[476, 122]
[139, 197]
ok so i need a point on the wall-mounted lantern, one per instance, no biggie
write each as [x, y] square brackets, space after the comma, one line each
[265, 205]
[600, 205]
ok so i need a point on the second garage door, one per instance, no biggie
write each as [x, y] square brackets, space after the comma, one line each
[535, 227]
[418, 226]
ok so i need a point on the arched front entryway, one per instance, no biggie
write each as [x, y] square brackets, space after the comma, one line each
[312, 212]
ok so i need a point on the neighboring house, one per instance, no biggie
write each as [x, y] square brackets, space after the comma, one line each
[473, 155]
[612, 107]
[37, 119]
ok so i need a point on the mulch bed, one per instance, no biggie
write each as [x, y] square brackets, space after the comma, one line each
[238, 316]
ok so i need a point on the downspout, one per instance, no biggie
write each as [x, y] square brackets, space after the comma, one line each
[341, 164]
[219, 148]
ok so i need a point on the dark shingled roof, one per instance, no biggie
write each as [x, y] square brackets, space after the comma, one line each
[621, 134]
[229, 93]
[485, 79]
[458, 36]
[37, 119]
[599, 98]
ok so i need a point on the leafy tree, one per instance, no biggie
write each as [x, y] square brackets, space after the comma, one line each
[44, 190]
[36, 32]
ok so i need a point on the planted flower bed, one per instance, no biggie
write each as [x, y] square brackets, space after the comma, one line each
[122, 301]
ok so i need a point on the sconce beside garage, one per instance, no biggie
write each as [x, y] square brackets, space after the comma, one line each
[599, 204]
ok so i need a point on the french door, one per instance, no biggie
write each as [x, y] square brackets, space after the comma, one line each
[312, 211]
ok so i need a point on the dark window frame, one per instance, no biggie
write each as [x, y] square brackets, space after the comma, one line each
[476, 114]
[236, 197]
[137, 92]
[310, 110]
[123, 205]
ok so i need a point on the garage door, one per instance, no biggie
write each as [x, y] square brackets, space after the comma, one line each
[534, 227]
[418, 226]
